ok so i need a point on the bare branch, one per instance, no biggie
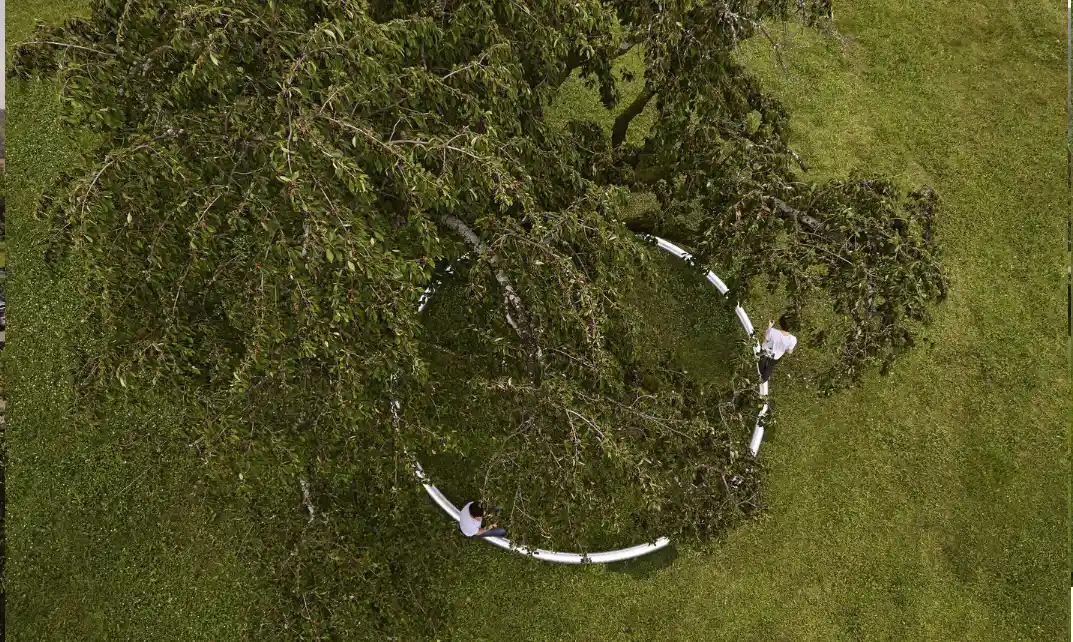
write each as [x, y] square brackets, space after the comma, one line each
[306, 501]
[517, 315]
[66, 45]
[812, 223]
[800, 163]
[472, 65]
[777, 46]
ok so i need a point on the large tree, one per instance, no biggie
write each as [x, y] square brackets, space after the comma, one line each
[277, 183]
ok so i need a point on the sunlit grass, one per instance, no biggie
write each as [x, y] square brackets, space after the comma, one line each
[930, 505]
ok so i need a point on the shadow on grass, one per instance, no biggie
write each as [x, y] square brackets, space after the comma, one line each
[644, 567]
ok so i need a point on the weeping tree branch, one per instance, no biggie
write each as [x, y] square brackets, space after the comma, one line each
[66, 45]
[517, 315]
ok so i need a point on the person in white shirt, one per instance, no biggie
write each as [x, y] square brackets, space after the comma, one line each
[469, 522]
[776, 343]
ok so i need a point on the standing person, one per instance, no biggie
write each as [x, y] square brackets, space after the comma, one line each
[776, 343]
[469, 522]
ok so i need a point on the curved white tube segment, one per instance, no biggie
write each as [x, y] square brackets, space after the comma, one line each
[746, 324]
[603, 557]
[539, 553]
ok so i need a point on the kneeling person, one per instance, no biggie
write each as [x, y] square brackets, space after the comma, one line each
[469, 522]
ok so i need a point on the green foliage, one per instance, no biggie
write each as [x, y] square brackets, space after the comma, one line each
[278, 183]
[651, 452]
[719, 164]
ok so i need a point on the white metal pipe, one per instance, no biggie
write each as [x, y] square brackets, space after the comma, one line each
[758, 436]
[718, 283]
[686, 256]
[602, 557]
[746, 324]
[758, 432]
[672, 248]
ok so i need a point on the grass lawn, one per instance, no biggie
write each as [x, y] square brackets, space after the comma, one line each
[933, 504]
[110, 533]
[929, 505]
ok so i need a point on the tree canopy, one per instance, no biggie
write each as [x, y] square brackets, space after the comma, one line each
[276, 184]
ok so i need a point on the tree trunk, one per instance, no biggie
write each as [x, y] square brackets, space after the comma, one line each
[576, 59]
[573, 61]
[622, 123]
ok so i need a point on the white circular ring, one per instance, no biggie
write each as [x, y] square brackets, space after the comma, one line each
[621, 554]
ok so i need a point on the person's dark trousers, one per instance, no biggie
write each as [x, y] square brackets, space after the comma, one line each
[499, 531]
[767, 364]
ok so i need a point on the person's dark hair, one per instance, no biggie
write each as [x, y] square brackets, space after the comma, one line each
[476, 510]
[787, 322]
